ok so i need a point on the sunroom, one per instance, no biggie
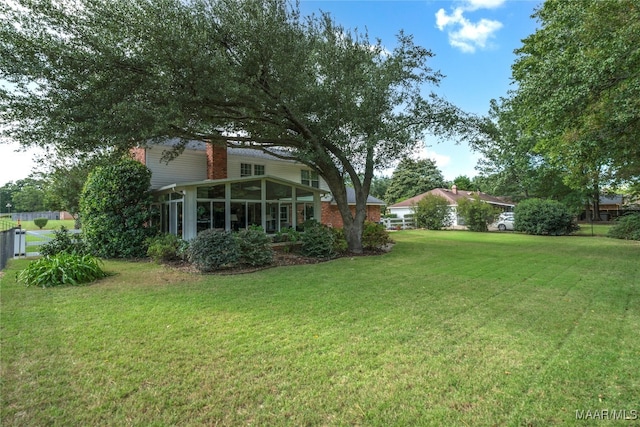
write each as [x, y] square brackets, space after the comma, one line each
[275, 204]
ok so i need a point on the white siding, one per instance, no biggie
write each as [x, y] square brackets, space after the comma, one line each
[190, 166]
[278, 168]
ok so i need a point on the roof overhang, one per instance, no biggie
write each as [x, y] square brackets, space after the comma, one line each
[183, 185]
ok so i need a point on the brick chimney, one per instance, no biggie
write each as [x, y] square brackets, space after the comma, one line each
[454, 189]
[139, 154]
[216, 161]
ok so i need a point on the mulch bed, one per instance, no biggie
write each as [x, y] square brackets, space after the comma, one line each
[280, 259]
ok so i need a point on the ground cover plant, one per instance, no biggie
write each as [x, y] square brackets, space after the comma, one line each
[449, 328]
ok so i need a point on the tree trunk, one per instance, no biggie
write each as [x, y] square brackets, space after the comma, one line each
[353, 224]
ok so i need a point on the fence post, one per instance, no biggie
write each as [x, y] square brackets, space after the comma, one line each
[20, 242]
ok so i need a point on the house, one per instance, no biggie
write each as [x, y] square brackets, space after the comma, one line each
[453, 196]
[211, 186]
[611, 207]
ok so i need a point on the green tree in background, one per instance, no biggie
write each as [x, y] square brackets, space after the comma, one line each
[578, 96]
[25, 195]
[413, 177]
[463, 182]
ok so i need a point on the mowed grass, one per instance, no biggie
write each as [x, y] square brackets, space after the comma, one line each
[52, 224]
[448, 329]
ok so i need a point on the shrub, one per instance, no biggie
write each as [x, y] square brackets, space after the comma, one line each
[543, 217]
[340, 244]
[255, 247]
[62, 269]
[318, 241]
[214, 250]
[432, 212]
[374, 236]
[626, 227]
[477, 214]
[40, 222]
[287, 235]
[63, 241]
[166, 247]
[114, 207]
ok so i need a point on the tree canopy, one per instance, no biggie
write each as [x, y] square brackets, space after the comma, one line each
[412, 177]
[93, 74]
[578, 89]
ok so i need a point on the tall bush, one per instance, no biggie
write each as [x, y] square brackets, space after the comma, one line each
[626, 227]
[115, 208]
[432, 212]
[477, 214]
[543, 217]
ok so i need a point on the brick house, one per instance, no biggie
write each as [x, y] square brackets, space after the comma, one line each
[210, 186]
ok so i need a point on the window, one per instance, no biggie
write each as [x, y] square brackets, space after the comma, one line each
[248, 169]
[245, 169]
[310, 178]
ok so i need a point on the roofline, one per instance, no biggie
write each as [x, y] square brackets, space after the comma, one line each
[243, 179]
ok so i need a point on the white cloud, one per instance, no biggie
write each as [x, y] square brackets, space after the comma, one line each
[441, 160]
[483, 4]
[15, 165]
[464, 34]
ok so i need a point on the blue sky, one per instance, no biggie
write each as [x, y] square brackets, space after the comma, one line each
[473, 42]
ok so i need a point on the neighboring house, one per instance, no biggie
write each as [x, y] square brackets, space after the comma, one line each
[611, 207]
[453, 196]
[209, 186]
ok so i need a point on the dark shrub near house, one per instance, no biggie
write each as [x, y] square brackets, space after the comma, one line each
[544, 217]
[255, 247]
[318, 241]
[213, 250]
[166, 247]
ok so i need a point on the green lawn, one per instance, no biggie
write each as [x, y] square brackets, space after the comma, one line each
[52, 224]
[449, 329]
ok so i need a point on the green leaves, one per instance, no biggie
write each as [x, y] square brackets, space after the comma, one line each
[579, 87]
[114, 207]
[544, 217]
[413, 177]
[98, 74]
[62, 269]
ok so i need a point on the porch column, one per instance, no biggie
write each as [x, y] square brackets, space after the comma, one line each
[189, 224]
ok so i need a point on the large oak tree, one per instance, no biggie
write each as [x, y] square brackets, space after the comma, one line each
[578, 92]
[91, 74]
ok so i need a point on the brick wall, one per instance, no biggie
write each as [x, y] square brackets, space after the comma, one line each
[331, 214]
[139, 154]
